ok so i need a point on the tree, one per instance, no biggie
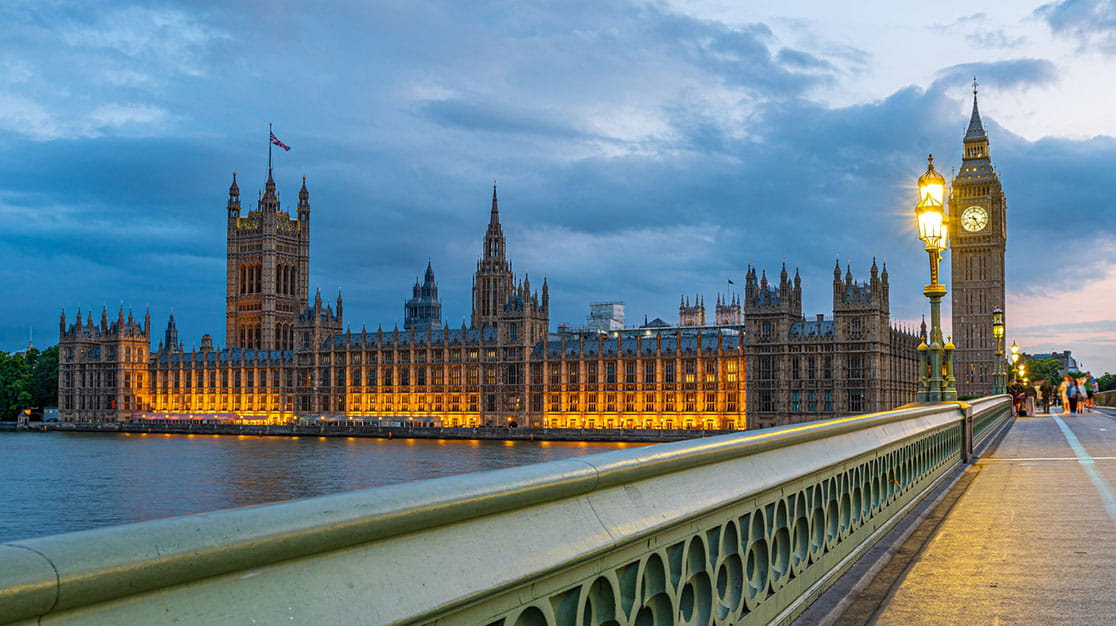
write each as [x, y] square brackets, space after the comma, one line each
[14, 385]
[1107, 382]
[1038, 369]
[28, 380]
[44, 378]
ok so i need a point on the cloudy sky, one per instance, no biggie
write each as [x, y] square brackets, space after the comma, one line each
[642, 150]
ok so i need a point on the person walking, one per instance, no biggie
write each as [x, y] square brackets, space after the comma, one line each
[1046, 390]
[1016, 391]
[1082, 396]
[1030, 392]
[1091, 388]
[1064, 391]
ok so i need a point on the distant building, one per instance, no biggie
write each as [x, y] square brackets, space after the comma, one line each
[423, 311]
[605, 316]
[1065, 360]
[691, 314]
[728, 312]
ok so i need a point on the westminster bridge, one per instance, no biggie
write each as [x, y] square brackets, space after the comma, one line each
[946, 513]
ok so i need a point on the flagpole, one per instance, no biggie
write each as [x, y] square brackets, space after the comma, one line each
[269, 148]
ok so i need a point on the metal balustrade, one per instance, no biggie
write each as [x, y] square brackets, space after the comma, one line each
[741, 528]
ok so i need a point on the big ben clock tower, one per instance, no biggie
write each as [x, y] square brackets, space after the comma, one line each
[978, 230]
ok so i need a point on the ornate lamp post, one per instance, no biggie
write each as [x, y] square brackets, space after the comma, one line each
[935, 382]
[999, 376]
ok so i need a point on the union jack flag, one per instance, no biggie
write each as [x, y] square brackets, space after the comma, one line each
[275, 141]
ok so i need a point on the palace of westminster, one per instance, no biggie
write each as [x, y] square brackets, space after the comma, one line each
[762, 363]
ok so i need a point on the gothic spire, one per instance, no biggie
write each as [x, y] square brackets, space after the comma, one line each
[976, 128]
[494, 217]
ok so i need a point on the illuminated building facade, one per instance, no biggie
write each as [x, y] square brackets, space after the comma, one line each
[290, 357]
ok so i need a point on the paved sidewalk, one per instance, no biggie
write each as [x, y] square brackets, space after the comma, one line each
[1033, 538]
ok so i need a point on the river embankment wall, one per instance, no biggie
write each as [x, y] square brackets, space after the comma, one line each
[390, 432]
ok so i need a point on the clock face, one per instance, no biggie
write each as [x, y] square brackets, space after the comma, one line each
[974, 219]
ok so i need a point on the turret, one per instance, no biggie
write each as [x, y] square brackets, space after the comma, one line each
[170, 337]
[303, 202]
[234, 199]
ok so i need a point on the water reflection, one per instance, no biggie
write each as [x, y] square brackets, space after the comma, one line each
[60, 482]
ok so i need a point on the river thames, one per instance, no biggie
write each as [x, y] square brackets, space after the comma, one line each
[60, 482]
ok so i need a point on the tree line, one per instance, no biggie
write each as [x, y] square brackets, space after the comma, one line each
[1051, 369]
[28, 380]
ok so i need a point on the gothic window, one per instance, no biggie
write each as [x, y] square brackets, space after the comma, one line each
[828, 402]
[668, 372]
[766, 368]
[630, 372]
[855, 366]
[766, 401]
[856, 401]
[649, 372]
[812, 402]
[689, 370]
[795, 408]
[730, 371]
[610, 373]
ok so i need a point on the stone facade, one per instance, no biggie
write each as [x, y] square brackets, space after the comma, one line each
[802, 370]
[267, 270]
[978, 238]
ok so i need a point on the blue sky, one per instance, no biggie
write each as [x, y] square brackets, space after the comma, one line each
[642, 150]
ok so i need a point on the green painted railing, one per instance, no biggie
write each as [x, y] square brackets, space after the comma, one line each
[745, 528]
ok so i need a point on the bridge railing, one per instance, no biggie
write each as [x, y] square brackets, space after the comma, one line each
[748, 528]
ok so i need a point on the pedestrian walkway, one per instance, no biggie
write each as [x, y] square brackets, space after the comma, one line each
[1032, 540]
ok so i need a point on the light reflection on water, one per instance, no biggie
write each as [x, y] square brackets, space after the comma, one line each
[61, 482]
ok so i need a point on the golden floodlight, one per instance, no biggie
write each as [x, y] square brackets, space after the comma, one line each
[1014, 353]
[998, 323]
[930, 211]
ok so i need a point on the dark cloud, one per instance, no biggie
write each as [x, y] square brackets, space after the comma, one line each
[1092, 21]
[494, 117]
[1011, 74]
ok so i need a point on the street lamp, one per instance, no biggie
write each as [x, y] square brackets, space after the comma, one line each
[935, 382]
[999, 376]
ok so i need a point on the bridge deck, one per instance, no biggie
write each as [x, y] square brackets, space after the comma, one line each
[1033, 538]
